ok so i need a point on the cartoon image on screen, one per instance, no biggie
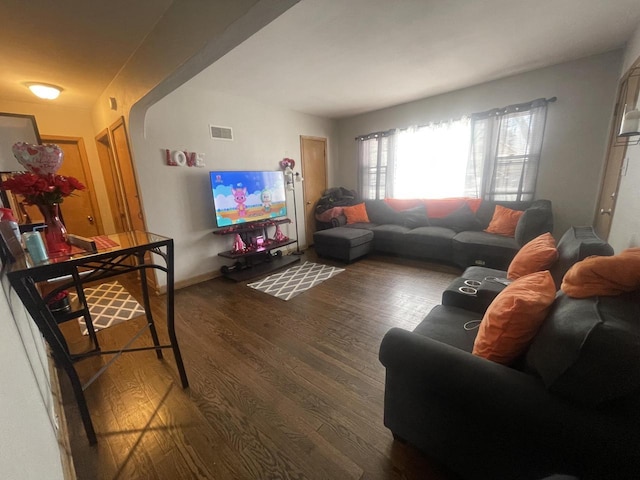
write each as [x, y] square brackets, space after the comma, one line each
[244, 196]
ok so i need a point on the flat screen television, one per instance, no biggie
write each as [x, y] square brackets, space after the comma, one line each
[247, 196]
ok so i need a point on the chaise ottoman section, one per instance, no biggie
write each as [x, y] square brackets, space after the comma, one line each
[343, 243]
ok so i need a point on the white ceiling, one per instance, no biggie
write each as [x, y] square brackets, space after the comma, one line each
[331, 58]
[337, 58]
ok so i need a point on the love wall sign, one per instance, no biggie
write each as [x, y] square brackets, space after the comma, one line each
[178, 158]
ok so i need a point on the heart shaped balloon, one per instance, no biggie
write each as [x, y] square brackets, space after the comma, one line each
[38, 159]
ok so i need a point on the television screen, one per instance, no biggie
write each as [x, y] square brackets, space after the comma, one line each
[242, 196]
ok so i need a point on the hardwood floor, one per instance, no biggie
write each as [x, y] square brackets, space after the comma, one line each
[278, 390]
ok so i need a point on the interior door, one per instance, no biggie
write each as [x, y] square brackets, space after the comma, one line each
[112, 183]
[627, 97]
[313, 152]
[80, 211]
[124, 164]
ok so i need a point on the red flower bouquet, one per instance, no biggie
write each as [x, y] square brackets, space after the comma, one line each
[42, 189]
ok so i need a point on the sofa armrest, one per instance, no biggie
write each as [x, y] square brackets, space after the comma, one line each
[439, 364]
[536, 220]
[443, 400]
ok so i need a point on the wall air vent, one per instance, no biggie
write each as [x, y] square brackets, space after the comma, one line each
[221, 133]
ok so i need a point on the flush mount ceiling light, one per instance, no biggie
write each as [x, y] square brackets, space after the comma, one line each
[44, 90]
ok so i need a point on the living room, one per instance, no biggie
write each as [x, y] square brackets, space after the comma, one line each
[575, 142]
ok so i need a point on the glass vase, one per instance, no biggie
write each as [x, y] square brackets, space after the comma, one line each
[55, 234]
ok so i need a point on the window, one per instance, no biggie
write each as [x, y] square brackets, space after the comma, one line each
[432, 158]
[494, 156]
[505, 153]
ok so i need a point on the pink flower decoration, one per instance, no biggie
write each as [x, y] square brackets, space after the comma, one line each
[287, 162]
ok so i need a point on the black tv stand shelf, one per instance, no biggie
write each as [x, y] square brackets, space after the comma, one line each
[256, 259]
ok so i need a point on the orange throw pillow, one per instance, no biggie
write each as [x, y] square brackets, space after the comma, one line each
[539, 254]
[504, 221]
[514, 317]
[356, 214]
[606, 276]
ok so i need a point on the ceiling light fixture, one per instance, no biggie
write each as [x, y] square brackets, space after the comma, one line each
[44, 90]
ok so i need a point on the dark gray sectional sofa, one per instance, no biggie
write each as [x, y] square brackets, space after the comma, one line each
[570, 404]
[458, 238]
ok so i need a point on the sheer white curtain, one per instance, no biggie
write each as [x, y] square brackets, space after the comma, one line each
[493, 155]
[376, 160]
[431, 160]
[505, 155]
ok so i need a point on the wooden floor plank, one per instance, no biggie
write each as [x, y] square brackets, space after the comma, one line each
[277, 389]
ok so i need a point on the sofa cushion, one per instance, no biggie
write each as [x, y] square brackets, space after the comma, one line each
[480, 273]
[504, 221]
[537, 255]
[604, 275]
[381, 213]
[343, 236]
[460, 220]
[388, 238]
[356, 213]
[427, 242]
[447, 325]
[588, 350]
[485, 249]
[536, 219]
[513, 318]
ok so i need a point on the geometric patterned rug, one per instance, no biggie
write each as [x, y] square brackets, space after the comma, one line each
[295, 280]
[109, 304]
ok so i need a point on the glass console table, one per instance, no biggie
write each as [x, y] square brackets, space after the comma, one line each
[126, 252]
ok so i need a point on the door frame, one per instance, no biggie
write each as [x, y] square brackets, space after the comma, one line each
[88, 176]
[119, 162]
[608, 198]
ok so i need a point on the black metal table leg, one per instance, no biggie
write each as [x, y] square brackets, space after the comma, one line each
[170, 317]
[147, 306]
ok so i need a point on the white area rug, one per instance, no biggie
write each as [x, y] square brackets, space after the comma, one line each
[295, 280]
[109, 304]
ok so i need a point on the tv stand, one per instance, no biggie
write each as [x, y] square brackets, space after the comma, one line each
[256, 258]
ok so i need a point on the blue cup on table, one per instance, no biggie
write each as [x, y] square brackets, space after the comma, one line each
[34, 244]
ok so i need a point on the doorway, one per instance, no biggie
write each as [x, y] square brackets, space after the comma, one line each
[313, 154]
[80, 211]
[120, 181]
[628, 92]
[119, 177]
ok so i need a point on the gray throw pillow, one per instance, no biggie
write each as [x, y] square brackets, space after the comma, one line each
[461, 220]
[381, 213]
[415, 217]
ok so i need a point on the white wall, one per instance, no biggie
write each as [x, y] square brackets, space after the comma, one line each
[575, 136]
[28, 443]
[178, 200]
[625, 226]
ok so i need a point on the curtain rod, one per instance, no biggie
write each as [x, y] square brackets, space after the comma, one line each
[389, 132]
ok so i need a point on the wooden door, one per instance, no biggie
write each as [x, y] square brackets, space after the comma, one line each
[617, 152]
[112, 183]
[313, 154]
[128, 183]
[80, 210]
[125, 186]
